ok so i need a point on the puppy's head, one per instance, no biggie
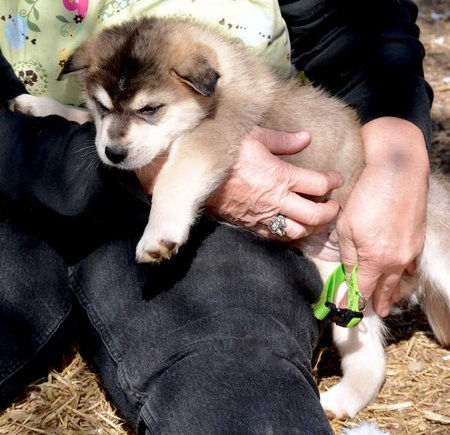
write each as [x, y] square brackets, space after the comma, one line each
[144, 88]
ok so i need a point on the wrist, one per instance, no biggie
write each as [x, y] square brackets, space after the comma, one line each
[397, 143]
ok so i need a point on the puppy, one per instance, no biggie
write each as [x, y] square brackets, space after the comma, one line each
[177, 88]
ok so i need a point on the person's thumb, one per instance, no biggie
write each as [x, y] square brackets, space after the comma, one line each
[280, 143]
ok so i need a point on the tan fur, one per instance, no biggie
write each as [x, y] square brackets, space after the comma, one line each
[213, 91]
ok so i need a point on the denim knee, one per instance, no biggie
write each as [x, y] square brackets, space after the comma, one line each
[232, 387]
[226, 286]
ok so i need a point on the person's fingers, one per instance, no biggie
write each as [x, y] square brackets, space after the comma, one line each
[367, 280]
[387, 286]
[396, 295]
[367, 276]
[280, 143]
[309, 212]
[294, 230]
[321, 229]
[366, 283]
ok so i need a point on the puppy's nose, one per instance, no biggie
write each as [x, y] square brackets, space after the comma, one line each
[116, 153]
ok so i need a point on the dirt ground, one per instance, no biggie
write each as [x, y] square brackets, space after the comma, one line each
[415, 398]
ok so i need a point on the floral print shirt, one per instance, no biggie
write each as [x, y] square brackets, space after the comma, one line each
[37, 36]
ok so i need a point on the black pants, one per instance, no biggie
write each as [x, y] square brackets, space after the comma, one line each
[216, 341]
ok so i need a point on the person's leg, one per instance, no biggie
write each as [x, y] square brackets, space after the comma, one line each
[217, 340]
[35, 304]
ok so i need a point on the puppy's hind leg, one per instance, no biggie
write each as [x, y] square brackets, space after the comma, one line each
[363, 366]
[434, 263]
[434, 287]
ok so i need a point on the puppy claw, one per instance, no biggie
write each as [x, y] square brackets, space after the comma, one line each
[155, 252]
[169, 245]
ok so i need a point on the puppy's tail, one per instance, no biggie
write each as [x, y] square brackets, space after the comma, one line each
[434, 263]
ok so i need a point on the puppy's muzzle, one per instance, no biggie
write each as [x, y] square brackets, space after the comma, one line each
[116, 154]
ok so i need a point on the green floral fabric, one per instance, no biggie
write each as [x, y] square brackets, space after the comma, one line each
[37, 36]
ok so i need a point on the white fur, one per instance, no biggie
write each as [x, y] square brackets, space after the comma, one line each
[103, 97]
[45, 106]
[166, 193]
[434, 264]
[144, 98]
[144, 141]
[364, 429]
[434, 285]
[362, 358]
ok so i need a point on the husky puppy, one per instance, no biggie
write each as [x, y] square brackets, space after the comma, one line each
[175, 87]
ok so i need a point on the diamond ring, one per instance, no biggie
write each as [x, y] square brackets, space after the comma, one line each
[277, 225]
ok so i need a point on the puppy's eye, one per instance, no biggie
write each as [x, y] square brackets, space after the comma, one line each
[149, 110]
[103, 110]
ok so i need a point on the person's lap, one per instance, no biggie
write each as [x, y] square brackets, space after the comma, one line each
[35, 308]
[218, 340]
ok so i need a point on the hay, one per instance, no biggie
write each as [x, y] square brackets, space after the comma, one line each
[68, 402]
[415, 399]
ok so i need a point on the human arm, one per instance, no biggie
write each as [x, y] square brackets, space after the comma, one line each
[11, 86]
[371, 57]
[367, 54]
[383, 224]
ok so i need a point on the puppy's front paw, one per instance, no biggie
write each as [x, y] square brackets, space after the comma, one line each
[162, 237]
[151, 250]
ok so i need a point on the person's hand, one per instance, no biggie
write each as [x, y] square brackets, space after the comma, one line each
[383, 223]
[261, 186]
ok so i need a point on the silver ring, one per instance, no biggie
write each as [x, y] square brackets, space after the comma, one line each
[277, 225]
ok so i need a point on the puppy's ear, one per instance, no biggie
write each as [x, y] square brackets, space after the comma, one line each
[196, 71]
[77, 62]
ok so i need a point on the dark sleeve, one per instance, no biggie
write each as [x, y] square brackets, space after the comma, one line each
[367, 53]
[10, 87]
[50, 163]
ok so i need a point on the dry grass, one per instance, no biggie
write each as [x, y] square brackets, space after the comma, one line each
[415, 398]
[67, 402]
